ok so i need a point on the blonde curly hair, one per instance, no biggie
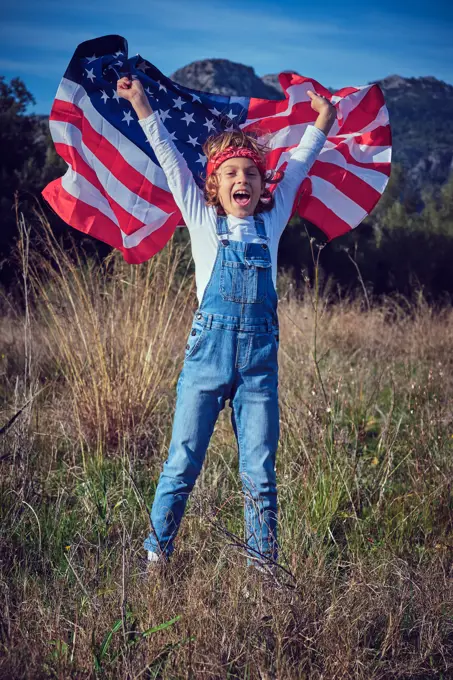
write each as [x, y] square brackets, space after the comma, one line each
[237, 138]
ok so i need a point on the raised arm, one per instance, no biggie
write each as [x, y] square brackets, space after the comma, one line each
[302, 158]
[186, 193]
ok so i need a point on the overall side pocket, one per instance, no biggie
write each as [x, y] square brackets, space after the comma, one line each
[196, 335]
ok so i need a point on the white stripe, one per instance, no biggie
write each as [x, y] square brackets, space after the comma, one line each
[347, 104]
[362, 153]
[80, 188]
[291, 136]
[296, 94]
[287, 136]
[350, 102]
[132, 240]
[345, 208]
[75, 94]
[139, 208]
[377, 180]
[381, 119]
[360, 89]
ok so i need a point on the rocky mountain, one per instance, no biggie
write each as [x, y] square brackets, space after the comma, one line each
[221, 76]
[419, 109]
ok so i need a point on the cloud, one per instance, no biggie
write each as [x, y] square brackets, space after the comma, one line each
[35, 67]
[337, 47]
[57, 39]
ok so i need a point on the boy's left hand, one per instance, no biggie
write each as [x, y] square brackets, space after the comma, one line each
[321, 104]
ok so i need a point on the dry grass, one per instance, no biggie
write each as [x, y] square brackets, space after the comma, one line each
[364, 474]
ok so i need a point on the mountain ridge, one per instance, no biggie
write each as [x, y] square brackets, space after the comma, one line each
[419, 110]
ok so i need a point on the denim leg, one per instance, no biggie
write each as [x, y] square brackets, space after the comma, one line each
[197, 409]
[255, 419]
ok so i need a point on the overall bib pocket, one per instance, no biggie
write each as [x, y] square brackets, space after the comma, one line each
[245, 282]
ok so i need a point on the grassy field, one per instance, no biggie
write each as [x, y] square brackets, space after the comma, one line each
[89, 365]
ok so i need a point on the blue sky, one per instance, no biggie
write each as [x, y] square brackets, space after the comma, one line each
[338, 44]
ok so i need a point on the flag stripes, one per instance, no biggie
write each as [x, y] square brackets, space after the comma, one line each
[115, 190]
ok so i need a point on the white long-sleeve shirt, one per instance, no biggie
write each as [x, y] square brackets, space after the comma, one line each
[201, 219]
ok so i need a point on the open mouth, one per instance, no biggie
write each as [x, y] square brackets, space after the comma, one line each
[242, 198]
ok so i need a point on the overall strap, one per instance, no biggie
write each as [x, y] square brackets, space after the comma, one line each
[222, 229]
[260, 228]
[222, 225]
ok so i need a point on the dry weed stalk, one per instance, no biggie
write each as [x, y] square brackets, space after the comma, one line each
[106, 329]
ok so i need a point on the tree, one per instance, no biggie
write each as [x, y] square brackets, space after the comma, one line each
[28, 161]
[23, 153]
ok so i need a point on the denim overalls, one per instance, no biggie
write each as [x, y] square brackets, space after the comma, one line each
[231, 353]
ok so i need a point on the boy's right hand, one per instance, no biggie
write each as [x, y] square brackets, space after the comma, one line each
[130, 88]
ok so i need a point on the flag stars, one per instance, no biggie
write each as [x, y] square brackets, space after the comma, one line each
[127, 117]
[196, 98]
[215, 112]
[161, 87]
[178, 103]
[231, 115]
[164, 115]
[142, 66]
[115, 96]
[118, 54]
[188, 118]
[90, 74]
[90, 59]
[209, 124]
[173, 136]
[201, 159]
[194, 141]
[148, 92]
[104, 96]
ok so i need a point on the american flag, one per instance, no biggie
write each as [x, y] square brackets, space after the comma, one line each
[115, 190]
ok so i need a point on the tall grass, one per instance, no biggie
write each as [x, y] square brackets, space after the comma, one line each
[364, 474]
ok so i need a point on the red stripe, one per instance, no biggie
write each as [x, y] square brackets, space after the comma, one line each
[111, 157]
[273, 158]
[82, 216]
[364, 113]
[349, 184]
[301, 113]
[263, 108]
[345, 91]
[379, 136]
[343, 148]
[353, 186]
[313, 210]
[89, 220]
[128, 223]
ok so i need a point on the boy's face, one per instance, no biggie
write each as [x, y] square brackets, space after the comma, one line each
[240, 186]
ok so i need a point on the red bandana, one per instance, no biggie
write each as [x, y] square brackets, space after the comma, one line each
[235, 152]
